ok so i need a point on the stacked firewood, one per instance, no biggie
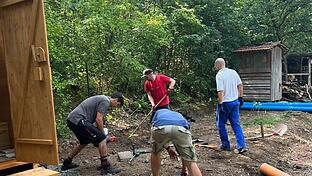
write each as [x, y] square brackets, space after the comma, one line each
[295, 92]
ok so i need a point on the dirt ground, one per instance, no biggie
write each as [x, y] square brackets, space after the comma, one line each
[291, 153]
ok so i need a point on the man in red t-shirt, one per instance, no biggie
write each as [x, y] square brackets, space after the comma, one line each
[156, 88]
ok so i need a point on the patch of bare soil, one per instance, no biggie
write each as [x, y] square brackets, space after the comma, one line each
[291, 153]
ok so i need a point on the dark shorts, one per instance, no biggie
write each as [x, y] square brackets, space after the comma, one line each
[86, 132]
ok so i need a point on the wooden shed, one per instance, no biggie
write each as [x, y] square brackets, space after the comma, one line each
[27, 120]
[260, 68]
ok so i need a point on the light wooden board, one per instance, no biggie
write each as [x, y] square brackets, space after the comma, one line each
[10, 164]
[37, 172]
[22, 25]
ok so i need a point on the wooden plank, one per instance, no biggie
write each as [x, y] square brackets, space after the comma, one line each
[256, 95]
[10, 164]
[34, 141]
[298, 74]
[5, 3]
[276, 78]
[31, 101]
[257, 98]
[256, 74]
[257, 91]
[254, 81]
[264, 78]
[256, 87]
[37, 172]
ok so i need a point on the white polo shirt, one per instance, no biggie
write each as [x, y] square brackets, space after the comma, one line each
[227, 81]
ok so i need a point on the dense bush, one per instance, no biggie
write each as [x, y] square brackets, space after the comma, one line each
[98, 47]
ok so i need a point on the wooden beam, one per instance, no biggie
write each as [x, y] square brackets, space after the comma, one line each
[5, 3]
[298, 74]
[37, 172]
[34, 141]
[10, 164]
[309, 70]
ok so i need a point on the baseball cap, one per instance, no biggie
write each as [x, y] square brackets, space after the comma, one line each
[147, 72]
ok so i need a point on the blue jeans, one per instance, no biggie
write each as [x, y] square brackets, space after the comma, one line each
[230, 111]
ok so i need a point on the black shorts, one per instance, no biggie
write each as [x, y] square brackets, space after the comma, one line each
[86, 132]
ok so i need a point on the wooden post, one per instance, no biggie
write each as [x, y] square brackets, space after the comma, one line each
[309, 70]
[261, 129]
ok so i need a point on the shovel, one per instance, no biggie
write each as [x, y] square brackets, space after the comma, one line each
[138, 126]
[279, 130]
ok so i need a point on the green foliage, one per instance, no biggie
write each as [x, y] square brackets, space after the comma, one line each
[288, 21]
[268, 119]
[108, 43]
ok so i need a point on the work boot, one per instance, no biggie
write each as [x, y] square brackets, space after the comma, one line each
[109, 170]
[68, 164]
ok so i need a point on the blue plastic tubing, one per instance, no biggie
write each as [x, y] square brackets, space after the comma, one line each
[278, 106]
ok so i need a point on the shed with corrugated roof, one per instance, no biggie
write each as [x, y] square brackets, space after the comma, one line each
[260, 68]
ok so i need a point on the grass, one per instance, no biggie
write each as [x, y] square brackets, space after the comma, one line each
[269, 119]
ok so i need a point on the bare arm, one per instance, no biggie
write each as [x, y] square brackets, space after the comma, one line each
[150, 98]
[172, 83]
[99, 121]
[240, 90]
[220, 96]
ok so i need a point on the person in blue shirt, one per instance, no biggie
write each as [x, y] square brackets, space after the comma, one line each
[170, 126]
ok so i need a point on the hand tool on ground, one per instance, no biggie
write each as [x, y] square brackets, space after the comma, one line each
[131, 134]
[279, 130]
[138, 152]
[211, 146]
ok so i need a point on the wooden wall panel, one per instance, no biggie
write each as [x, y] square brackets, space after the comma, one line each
[276, 79]
[257, 86]
[31, 101]
[5, 115]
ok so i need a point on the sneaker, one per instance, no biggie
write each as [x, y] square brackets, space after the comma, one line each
[109, 170]
[241, 150]
[68, 164]
[225, 148]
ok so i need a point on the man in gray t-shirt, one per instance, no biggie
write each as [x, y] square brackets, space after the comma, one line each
[86, 122]
[88, 109]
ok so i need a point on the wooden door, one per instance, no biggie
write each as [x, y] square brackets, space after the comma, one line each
[24, 50]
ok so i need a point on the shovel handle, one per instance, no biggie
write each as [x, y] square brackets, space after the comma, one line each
[161, 100]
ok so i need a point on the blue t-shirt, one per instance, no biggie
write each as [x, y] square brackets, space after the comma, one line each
[167, 117]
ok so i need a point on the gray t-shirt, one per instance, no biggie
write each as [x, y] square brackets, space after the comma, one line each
[88, 109]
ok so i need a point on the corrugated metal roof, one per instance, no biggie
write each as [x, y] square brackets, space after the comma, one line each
[260, 47]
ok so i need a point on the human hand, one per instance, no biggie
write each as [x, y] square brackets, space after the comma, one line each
[241, 101]
[172, 153]
[170, 90]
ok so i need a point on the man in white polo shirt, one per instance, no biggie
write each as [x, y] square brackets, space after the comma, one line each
[230, 92]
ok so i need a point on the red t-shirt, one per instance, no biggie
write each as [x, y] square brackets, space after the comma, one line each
[158, 89]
